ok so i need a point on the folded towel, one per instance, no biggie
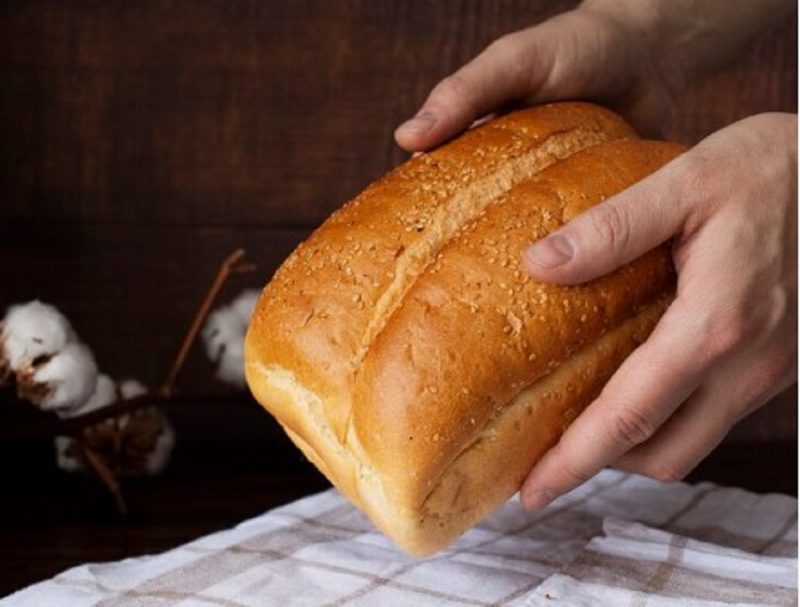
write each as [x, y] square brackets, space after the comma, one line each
[322, 551]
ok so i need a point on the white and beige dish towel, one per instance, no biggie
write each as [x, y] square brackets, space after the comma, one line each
[620, 540]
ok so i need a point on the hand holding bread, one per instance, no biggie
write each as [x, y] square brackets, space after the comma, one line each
[730, 340]
[727, 344]
[426, 357]
[409, 355]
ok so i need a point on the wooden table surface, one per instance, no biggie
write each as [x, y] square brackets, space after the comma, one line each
[51, 520]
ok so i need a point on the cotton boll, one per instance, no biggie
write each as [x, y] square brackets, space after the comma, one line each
[223, 336]
[245, 304]
[223, 331]
[131, 388]
[127, 442]
[105, 393]
[31, 331]
[157, 459]
[63, 383]
[132, 444]
[147, 440]
[230, 368]
[66, 455]
[52, 369]
[142, 445]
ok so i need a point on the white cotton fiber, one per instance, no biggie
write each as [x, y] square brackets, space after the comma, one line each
[32, 330]
[245, 304]
[224, 333]
[70, 377]
[105, 393]
[157, 459]
[64, 456]
[131, 388]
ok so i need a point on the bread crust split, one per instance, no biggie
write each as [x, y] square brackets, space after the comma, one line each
[407, 353]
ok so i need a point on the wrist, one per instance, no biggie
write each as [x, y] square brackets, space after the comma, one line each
[647, 26]
[688, 40]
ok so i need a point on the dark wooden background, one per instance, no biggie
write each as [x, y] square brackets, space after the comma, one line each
[141, 142]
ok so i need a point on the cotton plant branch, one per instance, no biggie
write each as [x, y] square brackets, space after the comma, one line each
[232, 263]
[112, 419]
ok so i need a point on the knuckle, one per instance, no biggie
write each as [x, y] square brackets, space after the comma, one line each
[510, 55]
[741, 326]
[629, 426]
[772, 371]
[611, 224]
[696, 170]
[780, 367]
[779, 306]
[453, 91]
[695, 174]
[728, 332]
[667, 472]
[504, 44]
[574, 472]
[509, 48]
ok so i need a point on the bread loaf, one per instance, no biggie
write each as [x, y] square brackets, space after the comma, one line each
[407, 353]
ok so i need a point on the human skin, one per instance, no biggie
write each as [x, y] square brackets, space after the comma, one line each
[728, 342]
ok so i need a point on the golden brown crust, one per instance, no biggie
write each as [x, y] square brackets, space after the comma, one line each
[475, 328]
[320, 310]
[404, 329]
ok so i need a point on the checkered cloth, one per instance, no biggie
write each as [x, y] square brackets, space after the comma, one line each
[692, 545]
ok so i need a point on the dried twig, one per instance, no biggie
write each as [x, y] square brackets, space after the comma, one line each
[46, 425]
[232, 263]
[106, 476]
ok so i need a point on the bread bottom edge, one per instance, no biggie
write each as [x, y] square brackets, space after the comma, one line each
[492, 468]
[486, 473]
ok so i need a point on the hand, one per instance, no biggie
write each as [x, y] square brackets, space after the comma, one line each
[634, 56]
[728, 342]
[585, 53]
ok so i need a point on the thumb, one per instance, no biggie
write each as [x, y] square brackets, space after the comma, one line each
[500, 74]
[612, 233]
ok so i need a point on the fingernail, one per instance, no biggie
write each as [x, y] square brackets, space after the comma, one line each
[420, 123]
[551, 252]
[536, 500]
